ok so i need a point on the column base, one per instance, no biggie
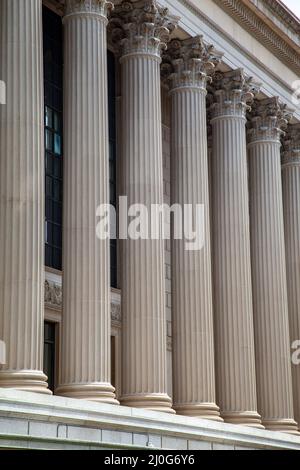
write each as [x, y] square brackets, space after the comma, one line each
[25, 380]
[199, 410]
[281, 425]
[149, 401]
[243, 418]
[98, 392]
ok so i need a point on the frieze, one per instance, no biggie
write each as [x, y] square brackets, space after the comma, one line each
[53, 300]
[251, 22]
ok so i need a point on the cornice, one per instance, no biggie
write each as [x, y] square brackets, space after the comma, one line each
[251, 21]
[57, 6]
[242, 11]
[284, 14]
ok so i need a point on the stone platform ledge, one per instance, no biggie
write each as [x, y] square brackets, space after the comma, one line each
[35, 421]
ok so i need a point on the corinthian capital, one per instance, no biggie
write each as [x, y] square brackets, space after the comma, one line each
[98, 7]
[233, 94]
[268, 120]
[141, 27]
[291, 145]
[189, 63]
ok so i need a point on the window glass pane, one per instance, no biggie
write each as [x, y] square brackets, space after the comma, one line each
[48, 186]
[56, 235]
[113, 360]
[56, 122]
[49, 353]
[56, 258]
[57, 144]
[49, 233]
[56, 189]
[57, 213]
[48, 255]
[53, 73]
[57, 168]
[49, 140]
[48, 117]
[49, 211]
[49, 163]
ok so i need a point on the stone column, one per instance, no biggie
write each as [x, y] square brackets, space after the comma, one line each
[22, 195]
[85, 368]
[291, 205]
[235, 360]
[144, 27]
[193, 343]
[273, 358]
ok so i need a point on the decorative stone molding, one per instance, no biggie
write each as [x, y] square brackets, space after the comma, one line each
[116, 312]
[189, 63]
[53, 299]
[98, 7]
[263, 32]
[233, 94]
[141, 27]
[291, 146]
[281, 11]
[53, 295]
[268, 119]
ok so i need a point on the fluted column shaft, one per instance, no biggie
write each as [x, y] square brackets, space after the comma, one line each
[22, 196]
[291, 205]
[273, 360]
[235, 360]
[193, 342]
[144, 378]
[85, 365]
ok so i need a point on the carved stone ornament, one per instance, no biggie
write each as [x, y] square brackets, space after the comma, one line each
[291, 146]
[98, 7]
[116, 312]
[189, 63]
[233, 93]
[141, 27]
[267, 121]
[53, 295]
[53, 299]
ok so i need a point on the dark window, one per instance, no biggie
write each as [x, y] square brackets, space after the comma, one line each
[112, 156]
[49, 353]
[113, 360]
[53, 83]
